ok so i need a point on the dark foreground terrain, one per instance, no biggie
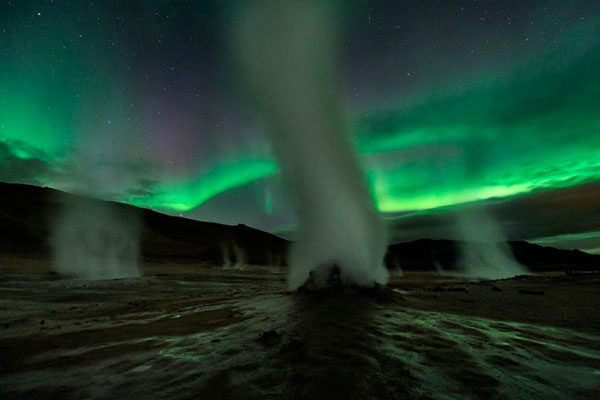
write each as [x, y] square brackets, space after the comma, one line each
[215, 333]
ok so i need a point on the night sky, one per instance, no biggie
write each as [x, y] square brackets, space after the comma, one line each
[447, 102]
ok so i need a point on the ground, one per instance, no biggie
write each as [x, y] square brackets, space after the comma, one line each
[203, 332]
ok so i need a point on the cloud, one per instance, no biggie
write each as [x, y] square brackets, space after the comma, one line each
[112, 179]
[23, 164]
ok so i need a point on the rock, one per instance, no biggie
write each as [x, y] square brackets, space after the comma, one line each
[316, 279]
[325, 284]
[269, 338]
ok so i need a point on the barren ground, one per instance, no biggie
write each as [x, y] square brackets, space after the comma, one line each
[185, 331]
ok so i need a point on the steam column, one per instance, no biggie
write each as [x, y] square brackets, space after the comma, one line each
[287, 52]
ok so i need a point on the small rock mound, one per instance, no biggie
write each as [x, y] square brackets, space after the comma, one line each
[320, 279]
[327, 284]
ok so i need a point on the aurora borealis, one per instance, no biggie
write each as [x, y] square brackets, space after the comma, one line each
[448, 103]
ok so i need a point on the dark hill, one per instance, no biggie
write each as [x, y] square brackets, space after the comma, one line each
[428, 254]
[28, 212]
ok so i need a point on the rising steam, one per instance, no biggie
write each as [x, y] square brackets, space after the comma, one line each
[92, 239]
[239, 256]
[287, 50]
[96, 240]
[484, 253]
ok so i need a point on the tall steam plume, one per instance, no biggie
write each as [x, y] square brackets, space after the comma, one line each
[93, 239]
[484, 253]
[287, 50]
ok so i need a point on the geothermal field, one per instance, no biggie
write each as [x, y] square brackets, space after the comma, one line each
[300, 199]
[199, 323]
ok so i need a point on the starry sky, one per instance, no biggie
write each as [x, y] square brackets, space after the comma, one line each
[447, 102]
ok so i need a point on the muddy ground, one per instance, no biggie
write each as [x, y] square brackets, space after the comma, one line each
[209, 333]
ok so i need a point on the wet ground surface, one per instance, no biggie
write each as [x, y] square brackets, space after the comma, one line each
[238, 334]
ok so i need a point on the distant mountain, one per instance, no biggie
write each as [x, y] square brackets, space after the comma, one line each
[27, 214]
[428, 254]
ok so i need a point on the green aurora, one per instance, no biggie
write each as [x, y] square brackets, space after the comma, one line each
[187, 195]
[510, 132]
[505, 136]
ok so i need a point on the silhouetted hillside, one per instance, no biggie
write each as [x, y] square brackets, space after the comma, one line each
[28, 212]
[428, 254]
